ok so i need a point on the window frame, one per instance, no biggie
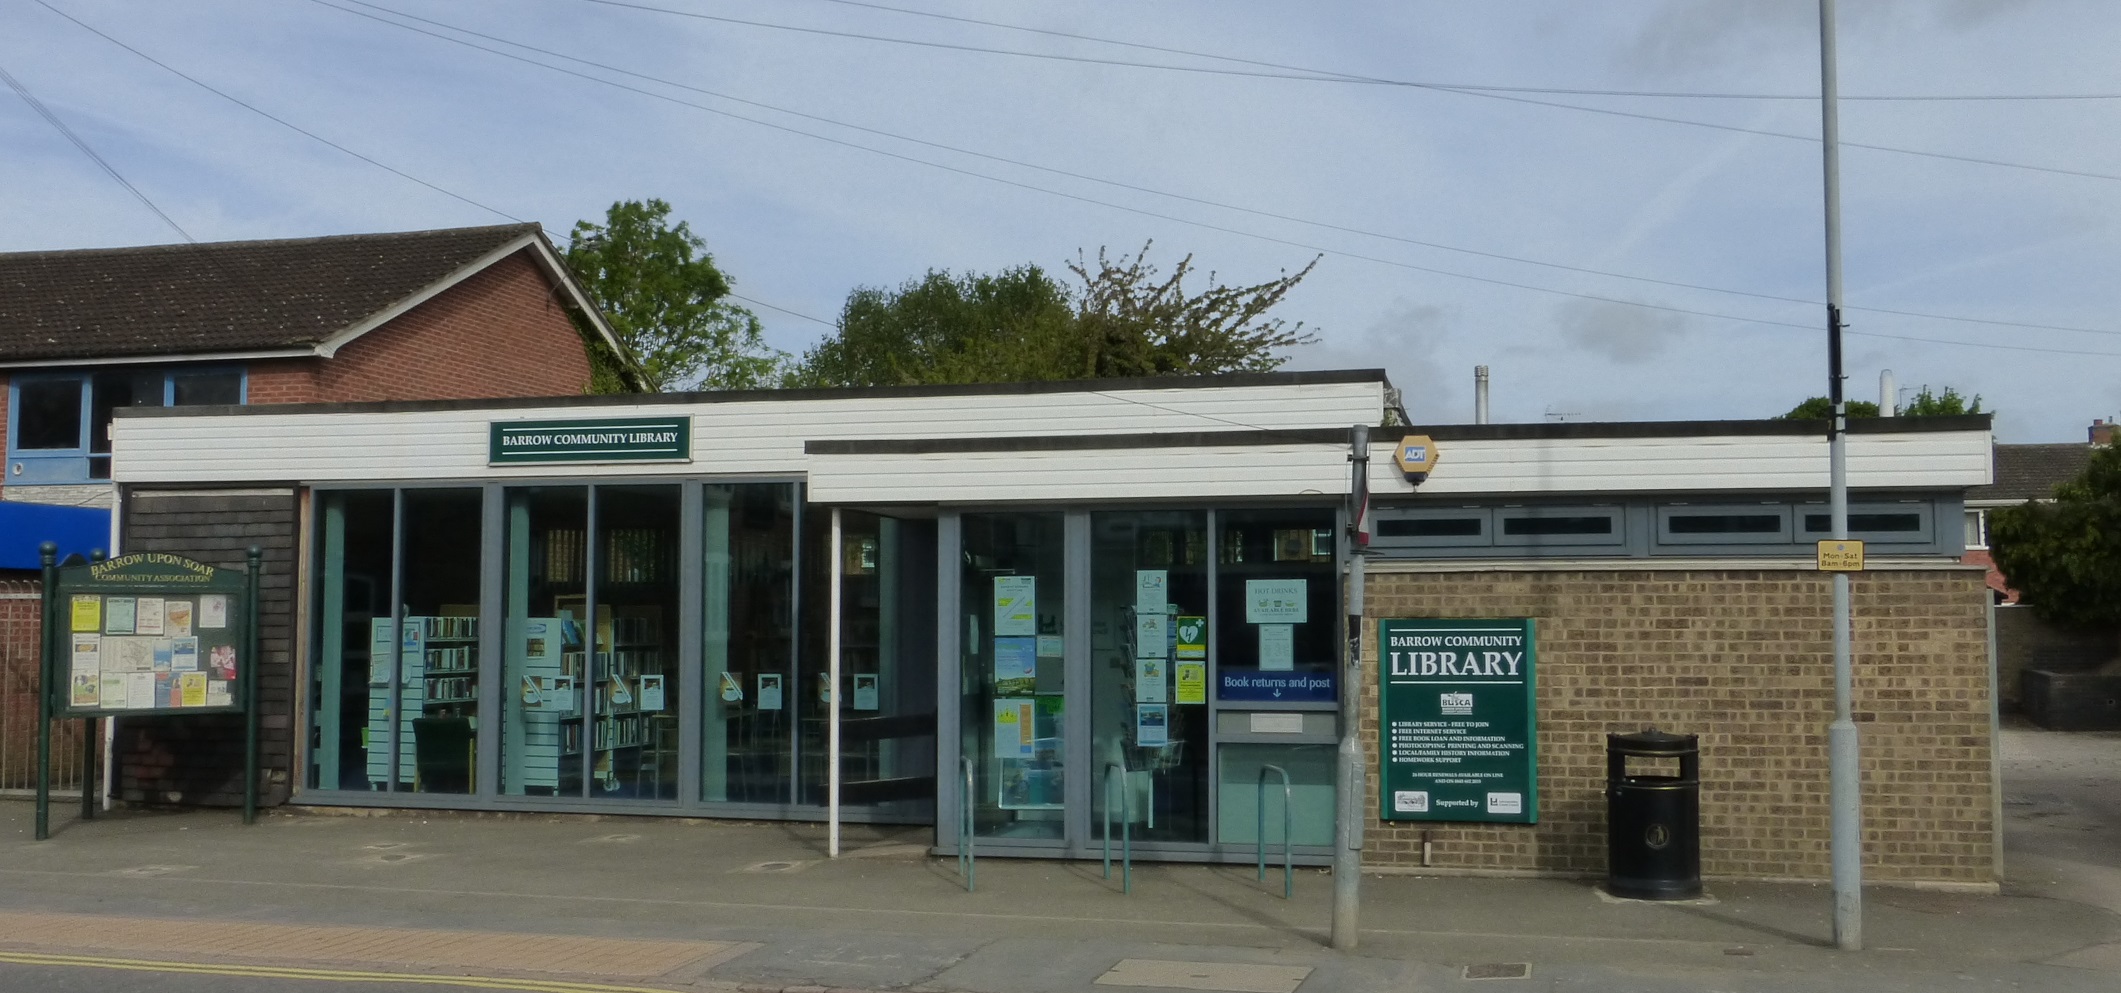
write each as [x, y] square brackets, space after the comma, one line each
[1614, 537]
[1782, 535]
[1485, 539]
[1925, 532]
[76, 465]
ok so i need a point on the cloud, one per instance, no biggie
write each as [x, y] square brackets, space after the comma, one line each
[1408, 340]
[1619, 332]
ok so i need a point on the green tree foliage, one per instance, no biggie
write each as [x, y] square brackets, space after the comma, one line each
[666, 300]
[1821, 408]
[1945, 404]
[942, 328]
[1925, 404]
[2064, 557]
[1022, 324]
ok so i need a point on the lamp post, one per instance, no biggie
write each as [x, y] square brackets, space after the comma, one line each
[1845, 774]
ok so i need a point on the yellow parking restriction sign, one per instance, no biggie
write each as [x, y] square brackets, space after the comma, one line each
[1841, 556]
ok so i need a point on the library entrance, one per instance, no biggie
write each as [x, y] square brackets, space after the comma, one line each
[1137, 669]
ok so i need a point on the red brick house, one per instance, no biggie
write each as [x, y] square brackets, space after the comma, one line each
[460, 313]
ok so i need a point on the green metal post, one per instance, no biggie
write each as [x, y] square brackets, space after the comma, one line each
[49, 554]
[250, 684]
[89, 765]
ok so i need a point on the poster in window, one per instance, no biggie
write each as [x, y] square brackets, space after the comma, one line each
[1016, 606]
[87, 612]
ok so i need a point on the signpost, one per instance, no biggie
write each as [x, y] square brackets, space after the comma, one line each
[1456, 721]
[149, 633]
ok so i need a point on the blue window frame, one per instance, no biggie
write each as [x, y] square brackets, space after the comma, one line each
[58, 425]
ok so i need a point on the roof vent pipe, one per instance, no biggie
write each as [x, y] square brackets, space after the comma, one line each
[1888, 394]
[1480, 394]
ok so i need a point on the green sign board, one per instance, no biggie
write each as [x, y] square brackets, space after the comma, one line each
[151, 632]
[621, 439]
[1456, 719]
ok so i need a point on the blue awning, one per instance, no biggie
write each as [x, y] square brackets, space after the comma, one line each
[24, 526]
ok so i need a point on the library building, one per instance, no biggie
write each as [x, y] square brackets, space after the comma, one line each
[1042, 612]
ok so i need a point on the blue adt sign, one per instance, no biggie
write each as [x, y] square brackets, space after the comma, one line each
[1276, 686]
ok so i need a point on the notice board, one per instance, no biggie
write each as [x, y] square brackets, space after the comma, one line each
[149, 633]
[1457, 721]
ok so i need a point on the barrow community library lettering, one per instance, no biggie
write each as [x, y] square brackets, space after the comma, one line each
[655, 439]
[1459, 736]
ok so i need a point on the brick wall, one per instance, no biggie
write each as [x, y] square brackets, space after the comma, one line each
[1743, 659]
[21, 622]
[199, 759]
[500, 333]
[281, 381]
[2024, 641]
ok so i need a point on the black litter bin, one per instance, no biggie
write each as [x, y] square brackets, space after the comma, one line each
[1653, 822]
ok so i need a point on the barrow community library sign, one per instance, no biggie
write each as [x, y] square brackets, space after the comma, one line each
[1459, 738]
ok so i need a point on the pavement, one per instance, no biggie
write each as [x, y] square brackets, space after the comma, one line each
[593, 903]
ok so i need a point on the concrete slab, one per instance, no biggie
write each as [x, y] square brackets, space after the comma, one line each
[1222, 977]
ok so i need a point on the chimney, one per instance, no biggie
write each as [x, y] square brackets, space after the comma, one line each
[1888, 394]
[1480, 394]
[2102, 432]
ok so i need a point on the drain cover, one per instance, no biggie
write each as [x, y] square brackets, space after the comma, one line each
[1499, 970]
[782, 866]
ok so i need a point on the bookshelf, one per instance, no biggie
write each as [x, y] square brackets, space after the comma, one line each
[438, 676]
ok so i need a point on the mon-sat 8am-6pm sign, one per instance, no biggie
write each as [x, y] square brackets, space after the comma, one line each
[1459, 735]
[616, 439]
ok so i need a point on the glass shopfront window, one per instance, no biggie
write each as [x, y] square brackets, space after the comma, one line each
[747, 626]
[355, 532]
[546, 594]
[1278, 602]
[633, 738]
[1011, 609]
[1148, 673]
[397, 691]
[887, 672]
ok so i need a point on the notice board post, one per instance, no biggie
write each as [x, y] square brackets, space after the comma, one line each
[150, 633]
[1457, 721]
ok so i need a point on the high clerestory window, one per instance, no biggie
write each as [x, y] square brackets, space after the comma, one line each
[59, 423]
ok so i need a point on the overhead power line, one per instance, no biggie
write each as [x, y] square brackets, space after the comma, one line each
[1156, 192]
[283, 122]
[60, 126]
[1489, 93]
[1330, 75]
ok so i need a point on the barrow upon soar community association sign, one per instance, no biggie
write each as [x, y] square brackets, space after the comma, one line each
[621, 439]
[1459, 733]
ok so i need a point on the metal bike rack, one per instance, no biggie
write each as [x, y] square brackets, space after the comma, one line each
[1288, 828]
[1126, 828]
[967, 865]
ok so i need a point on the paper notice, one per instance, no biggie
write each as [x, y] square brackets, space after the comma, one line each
[192, 688]
[88, 612]
[1277, 646]
[118, 616]
[1149, 683]
[147, 615]
[213, 611]
[176, 618]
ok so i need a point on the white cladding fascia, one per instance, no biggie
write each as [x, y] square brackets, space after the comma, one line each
[1705, 464]
[746, 437]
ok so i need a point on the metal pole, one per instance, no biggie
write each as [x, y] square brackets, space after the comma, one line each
[832, 721]
[250, 683]
[1347, 847]
[1845, 773]
[48, 552]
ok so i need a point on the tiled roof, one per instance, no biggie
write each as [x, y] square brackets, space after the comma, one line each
[2030, 472]
[222, 297]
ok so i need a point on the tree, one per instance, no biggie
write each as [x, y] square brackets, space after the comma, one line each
[1137, 324]
[1021, 324]
[1925, 404]
[946, 329]
[666, 300]
[2064, 557]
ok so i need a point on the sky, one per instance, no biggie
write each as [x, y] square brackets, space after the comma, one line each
[1651, 250]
